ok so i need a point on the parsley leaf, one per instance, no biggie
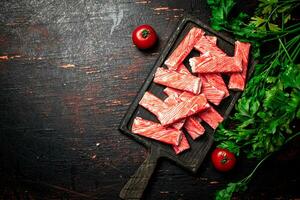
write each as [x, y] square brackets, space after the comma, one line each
[270, 103]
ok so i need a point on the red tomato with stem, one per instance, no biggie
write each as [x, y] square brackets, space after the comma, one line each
[223, 160]
[144, 36]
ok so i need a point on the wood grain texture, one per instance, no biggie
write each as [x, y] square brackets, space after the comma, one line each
[68, 72]
[135, 186]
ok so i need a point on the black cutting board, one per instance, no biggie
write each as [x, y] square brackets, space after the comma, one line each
[192, 158]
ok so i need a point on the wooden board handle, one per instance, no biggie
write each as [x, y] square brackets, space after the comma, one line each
[137, 183]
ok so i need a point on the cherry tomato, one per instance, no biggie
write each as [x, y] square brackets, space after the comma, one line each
[144, 36]
[223, 160]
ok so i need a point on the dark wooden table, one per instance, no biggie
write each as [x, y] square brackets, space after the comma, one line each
[68, 72]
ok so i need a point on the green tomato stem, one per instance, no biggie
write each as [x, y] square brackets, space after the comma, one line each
[145, 33]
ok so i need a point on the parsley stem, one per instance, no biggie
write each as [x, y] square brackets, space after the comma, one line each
[248, 178]
[287, 32]
[295, 53]
[292, 26]
[282, 21]
[287, 53]
[276, 71]
[267, 21]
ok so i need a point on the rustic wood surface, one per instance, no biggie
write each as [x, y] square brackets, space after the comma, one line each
[68, 72]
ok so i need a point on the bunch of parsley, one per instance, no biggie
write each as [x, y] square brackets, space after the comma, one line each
[270, 103]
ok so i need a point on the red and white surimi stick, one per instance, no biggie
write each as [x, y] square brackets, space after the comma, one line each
[183, 109]
[205, 44]
[237, 80]
[212, 39]
[173, 100]
[183, 70]
[186, 95]
[156, 131]
[173, 95]
[178, 125]
[211, 117]
[183, 145]
[170, 114]
[157, 106]
[193, 127]
[175, 92]
[172, 92]
[209, 64]
[176, 80]
[217, 81]
[153, 104]
[200, 60]
[184, 48]
[213, 94]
